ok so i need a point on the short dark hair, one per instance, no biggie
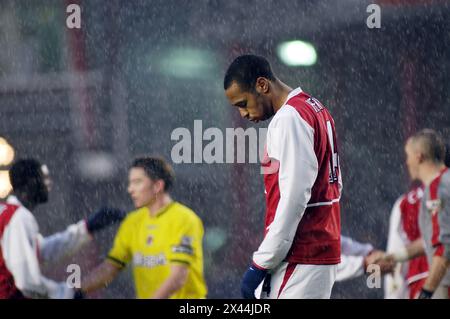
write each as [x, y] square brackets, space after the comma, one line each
[23, 171]
[156, 168]
[433, 146]
[245, 70]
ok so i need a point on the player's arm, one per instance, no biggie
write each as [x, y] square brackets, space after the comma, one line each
[407, 252]
[416, 248]
[394, 283]
[438, 269]
[351, 247]
[67, 242]
[398, 249]
[441, 243]
[350, 267]
[20, 250]
[185, 244]
[291, 143]
[62, 244]
[101, 276]
[176, 280]
[118, 257]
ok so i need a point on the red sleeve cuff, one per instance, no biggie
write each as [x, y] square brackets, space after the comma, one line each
[439, 250]
[258, 266]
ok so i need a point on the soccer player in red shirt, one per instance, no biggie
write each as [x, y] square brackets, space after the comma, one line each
[426, 161]
[301, 248]
[23, 249]
[404, 229]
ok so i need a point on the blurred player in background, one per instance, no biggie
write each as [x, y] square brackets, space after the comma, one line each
[409, 276]
[24, 250]
[404, 230]
[425, 156]
[301, 249]
[162, 239]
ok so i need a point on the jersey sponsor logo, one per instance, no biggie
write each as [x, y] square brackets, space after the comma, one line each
[433, 206]
[186, 240]
[315, 104]
[415, 196]
[149, 261]
[185, 246]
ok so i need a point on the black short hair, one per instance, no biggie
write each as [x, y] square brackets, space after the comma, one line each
[156, 168]
[432, 145]
[245, 70]
[23, 171]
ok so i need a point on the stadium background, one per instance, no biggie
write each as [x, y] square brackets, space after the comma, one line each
[87, 101]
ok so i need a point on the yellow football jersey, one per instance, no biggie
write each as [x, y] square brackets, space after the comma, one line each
[152, 244]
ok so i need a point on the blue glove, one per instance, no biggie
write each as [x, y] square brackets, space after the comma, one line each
[104, 217]
[252, 278]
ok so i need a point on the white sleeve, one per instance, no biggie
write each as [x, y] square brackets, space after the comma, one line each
[350, 267]
[290, 140]
[397, 238]
[351, 247]
[19, 248]
[64, 243]
[394, 283]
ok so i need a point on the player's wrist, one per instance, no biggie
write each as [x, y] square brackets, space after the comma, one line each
[426, 294]
[401, 255]
[254, 275]
[258, 267]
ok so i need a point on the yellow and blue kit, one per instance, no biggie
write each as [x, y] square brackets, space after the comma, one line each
[153, 243]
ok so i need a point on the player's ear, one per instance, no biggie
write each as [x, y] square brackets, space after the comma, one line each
[160, 186]
[262, 85]
[420, 157]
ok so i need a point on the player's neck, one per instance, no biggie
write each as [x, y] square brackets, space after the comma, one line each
[280, 94]
[160, 202]
[23, 199]
[429, 172]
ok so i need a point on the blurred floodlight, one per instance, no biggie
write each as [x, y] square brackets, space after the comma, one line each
[188, 63]
[96, 165]
[215, 238]
[5, 185]
[297, 53]
[6, 152]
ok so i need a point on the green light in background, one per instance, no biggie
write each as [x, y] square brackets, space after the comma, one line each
[188, 63]
[297, 53]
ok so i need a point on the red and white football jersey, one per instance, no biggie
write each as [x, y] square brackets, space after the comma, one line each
[302, 185]
[409, 210]
[403, 230]
[23, 249]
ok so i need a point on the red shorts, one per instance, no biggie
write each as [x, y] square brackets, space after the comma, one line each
[415, 287]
